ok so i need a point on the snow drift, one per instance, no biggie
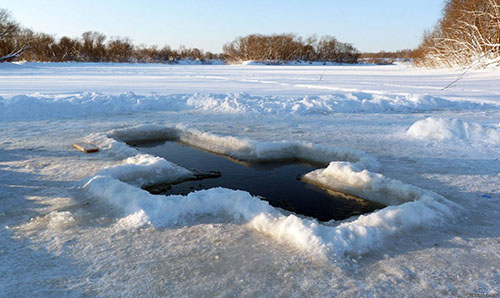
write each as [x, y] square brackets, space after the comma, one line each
[439, 129]
[40, 106]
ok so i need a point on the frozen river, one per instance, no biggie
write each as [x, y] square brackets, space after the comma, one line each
[79, 224]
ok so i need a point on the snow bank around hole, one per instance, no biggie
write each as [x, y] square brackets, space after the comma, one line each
[440, 129]
[356, 237]
[372, 231]
[144, 169]
[113, 142]
[42, 106]
[350, 178]
[412, 208]
[239, 148]
[142, 208]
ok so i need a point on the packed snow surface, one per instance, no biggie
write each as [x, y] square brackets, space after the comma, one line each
[80, 224]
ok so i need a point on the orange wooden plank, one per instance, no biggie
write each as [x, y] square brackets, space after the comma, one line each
[86, 147]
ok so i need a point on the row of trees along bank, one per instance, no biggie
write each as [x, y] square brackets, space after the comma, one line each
[289, 47]
[17, 42]
[468, 34]
[20, 43]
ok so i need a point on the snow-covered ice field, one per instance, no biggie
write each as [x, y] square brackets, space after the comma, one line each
[79, 224]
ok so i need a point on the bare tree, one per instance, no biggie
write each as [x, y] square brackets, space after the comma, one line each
[10, 48]
[468, 34]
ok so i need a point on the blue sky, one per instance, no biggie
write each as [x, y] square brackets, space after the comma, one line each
[370, 25]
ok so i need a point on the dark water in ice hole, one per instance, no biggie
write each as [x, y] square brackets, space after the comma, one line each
[275, 182]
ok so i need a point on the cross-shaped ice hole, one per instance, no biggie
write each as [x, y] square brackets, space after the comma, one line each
[277, 182]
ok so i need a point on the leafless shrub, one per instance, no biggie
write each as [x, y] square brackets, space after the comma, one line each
[93, 47]
[119, 50]
[288, 47]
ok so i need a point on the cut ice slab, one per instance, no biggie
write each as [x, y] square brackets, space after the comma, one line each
[278, 182]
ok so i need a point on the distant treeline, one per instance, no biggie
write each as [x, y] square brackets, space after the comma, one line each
[21, 43]
[468, 34]
[289, 47]
[401, 54]
[384, 57]
[17, 42]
